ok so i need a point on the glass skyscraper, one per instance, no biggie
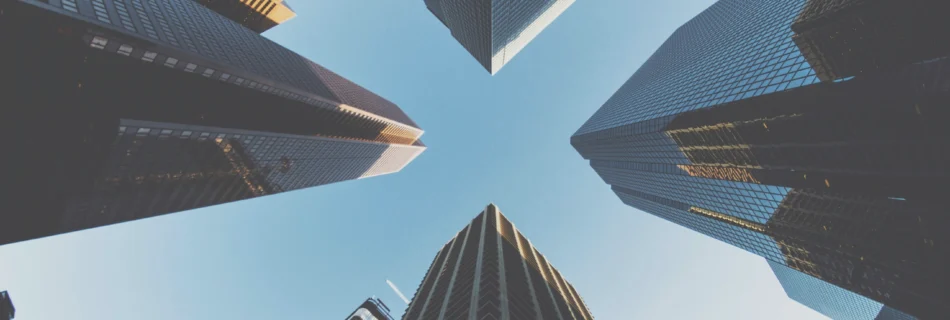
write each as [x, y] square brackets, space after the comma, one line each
[127, 109]
[831, 300]
[489, 270]
[729, 130]
[843, 38]
[494, 31]
[371, 309]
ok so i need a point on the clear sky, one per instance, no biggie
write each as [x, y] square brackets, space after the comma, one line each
[318, 253]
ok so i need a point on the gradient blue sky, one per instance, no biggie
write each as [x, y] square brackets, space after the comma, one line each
[318, 253]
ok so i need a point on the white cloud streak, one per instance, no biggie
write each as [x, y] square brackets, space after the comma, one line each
[393, 285]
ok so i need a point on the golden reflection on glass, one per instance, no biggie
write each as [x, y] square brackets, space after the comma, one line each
[240, 167]
[754, 226]
[722, 173]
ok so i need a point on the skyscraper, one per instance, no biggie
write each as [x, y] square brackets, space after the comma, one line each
[494, 31]
[124, 110]
[371, 309]
[843, 38]
[257, 15]
[727, 130]
[831, 300]
[489, 270]
[6, 306]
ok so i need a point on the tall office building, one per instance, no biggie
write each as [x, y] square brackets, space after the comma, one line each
[843, 38]
[831, 300]
[489, 270]
[257, 15]
[729, 131]
[123, 110]
[494, 31]
[6, 306]
[371, 309]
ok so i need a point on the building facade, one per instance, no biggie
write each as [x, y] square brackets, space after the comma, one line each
[844, 38]
[489, 270]
[140, 108]
[730, 131]
[494, 31]
[6, 306]
[830, 300]
[372, 309]
[257, 15]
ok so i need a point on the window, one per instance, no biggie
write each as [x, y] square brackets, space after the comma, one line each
[171, 62]
[125, 50]
[225, 77]
[239, 81]
[70, 5]
[208, 72]
[190, 67]
[149, 56]
[100, 9]
[142, 132]
[99, 42]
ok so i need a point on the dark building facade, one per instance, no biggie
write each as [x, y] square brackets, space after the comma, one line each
[155, 107]
[494, 31]
[6, 306]
[257, 15]
[831, 300]
[491, 271]
[371, 309]
[729, 130]
[843, 38]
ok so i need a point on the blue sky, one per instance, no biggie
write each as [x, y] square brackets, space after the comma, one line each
[318, 253]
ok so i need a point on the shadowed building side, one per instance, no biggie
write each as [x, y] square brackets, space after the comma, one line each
[7, 312]
[122, 127]
[356, 97]
[494, 31]
[491, 271]
[845, 38]
[834, 180]
[183, 35]
[727, 130]
[469, 22]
